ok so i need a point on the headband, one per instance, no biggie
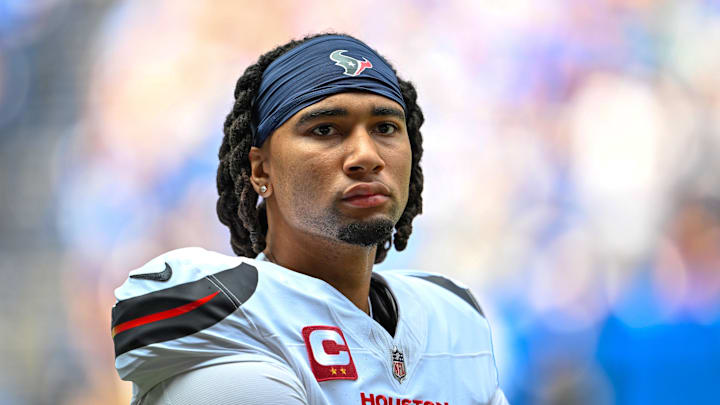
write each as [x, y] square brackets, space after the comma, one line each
[314, 70]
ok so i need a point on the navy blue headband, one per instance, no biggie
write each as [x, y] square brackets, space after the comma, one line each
[314, 70]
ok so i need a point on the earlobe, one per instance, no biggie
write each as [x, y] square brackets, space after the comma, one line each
[259, 177]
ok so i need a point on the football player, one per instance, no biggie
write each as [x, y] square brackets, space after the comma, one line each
[326, 133]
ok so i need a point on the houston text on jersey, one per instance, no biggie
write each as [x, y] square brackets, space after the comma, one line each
[378, 399]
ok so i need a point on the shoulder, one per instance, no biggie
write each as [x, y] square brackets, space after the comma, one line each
[442, 309]
[177, 267]
[181, 311]
[177, 294]
[426, 284]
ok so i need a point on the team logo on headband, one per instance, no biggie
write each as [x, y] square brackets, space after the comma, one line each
[352, 66]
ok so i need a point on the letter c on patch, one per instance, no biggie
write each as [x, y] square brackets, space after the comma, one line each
[319, 339]
[328, 353]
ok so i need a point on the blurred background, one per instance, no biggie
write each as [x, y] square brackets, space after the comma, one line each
[572, 176]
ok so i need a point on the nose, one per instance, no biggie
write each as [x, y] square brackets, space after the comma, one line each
[363, 156]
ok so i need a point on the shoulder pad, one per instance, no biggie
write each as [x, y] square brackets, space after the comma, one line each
[173, 268]
[178, 294]
[454, 287]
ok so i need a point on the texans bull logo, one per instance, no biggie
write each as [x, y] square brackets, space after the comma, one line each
[352, 66]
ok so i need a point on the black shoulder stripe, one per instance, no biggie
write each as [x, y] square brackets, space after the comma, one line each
[463, 293]
[181, 310]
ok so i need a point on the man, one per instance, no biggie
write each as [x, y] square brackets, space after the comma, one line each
[328, 136]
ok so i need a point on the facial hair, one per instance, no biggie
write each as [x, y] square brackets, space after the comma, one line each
[366, 233]
[333, 225]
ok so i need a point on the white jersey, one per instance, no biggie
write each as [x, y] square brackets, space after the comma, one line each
[191, 308]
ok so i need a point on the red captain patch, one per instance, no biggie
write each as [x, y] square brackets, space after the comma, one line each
[329, 353]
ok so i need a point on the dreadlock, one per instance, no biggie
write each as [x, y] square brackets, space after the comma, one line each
[237, 205]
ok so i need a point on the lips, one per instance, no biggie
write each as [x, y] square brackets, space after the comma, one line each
[366, 195]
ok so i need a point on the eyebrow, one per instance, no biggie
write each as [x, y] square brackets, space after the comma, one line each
[388, 111]
[341, 112]
[321, 112]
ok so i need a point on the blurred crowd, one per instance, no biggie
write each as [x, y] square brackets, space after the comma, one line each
[571, 165]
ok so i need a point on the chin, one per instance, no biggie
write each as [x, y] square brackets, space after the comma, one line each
[368, 232]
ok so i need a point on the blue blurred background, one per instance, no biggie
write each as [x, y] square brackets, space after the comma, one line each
[572, 176]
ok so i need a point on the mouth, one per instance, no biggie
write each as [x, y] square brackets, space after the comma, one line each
[366, 195]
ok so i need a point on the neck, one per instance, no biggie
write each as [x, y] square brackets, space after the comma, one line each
[346, 267]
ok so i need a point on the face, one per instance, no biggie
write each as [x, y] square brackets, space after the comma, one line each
[338, 169]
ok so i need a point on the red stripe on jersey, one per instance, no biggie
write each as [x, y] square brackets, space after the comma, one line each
[159, 316]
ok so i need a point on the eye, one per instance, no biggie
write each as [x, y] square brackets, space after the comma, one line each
[387, 128]
[323, 130]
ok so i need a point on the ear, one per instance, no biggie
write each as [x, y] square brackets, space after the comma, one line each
[259, 176]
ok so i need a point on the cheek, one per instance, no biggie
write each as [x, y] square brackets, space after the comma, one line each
[399, 166]
[403, 161]
[303, 192]
[302, 177]
[407, 172]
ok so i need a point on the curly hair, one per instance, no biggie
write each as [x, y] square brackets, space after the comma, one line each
[237, 205]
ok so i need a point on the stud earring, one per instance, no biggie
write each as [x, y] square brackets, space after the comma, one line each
[263, 188]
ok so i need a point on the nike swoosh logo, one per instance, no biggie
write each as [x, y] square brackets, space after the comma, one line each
[161, 276]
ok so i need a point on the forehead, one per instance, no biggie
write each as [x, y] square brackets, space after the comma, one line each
[350, 103]
[356, 97]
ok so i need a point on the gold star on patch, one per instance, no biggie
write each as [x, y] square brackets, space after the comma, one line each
[333, 371]
[342, 370]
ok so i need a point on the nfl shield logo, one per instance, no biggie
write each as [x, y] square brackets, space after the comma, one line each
[398, 365]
